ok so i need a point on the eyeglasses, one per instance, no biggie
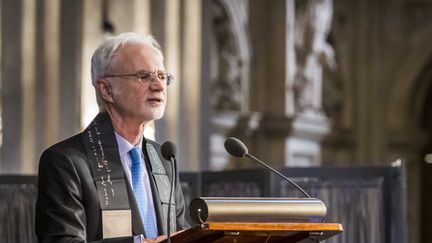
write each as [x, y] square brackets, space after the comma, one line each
[147, 76]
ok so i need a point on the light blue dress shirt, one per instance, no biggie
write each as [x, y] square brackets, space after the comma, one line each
[124, 146]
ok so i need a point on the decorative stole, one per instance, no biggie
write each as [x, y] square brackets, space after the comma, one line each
[102, 150]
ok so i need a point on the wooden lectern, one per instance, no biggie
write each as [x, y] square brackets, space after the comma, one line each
[250, 220]
[226, 232]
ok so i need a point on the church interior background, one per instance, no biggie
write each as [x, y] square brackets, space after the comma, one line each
[304, 83]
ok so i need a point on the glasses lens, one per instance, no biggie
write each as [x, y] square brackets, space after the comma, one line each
[162, 76]
[170, 78]
[149, 76]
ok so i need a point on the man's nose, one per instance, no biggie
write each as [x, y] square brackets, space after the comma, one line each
[157, 83]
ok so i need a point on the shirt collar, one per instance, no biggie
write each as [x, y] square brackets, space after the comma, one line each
[124, 146]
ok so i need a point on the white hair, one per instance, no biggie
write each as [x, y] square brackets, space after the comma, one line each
[103, 56]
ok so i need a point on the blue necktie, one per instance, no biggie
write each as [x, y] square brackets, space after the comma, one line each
[138, 187]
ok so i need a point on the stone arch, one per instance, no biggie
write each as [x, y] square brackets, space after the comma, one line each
[405, 80]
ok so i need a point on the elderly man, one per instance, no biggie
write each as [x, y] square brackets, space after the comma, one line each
[109, 183]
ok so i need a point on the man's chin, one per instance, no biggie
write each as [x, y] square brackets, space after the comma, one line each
[158, 114]
[158, 117]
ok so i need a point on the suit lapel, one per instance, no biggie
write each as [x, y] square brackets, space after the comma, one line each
[137, 226]
[161, 222]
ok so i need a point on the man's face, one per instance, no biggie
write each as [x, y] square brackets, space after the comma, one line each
[132, 99]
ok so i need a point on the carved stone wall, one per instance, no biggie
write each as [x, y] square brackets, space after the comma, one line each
[230, 55]
[229, 72]
[379, 91]
[313, 52]
[266, 79]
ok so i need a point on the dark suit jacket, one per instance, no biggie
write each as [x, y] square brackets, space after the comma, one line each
[68, 209]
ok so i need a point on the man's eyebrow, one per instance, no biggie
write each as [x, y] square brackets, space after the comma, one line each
[143, 71]
[148, 71]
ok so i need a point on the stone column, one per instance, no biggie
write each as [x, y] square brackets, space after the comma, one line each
[269, 71]
[11, 85]
[190, 105]
[288, 47]
[71, 31]
[47, 73]
[40, 85]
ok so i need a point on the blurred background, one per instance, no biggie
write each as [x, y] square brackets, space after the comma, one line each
[306, 84]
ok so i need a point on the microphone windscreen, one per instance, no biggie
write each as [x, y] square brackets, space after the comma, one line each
[168, 150]
[235, 147]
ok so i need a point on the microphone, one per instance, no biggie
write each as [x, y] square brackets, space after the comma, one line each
[168, 151]
[236, 148]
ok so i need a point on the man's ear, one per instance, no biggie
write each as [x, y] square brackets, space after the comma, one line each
[104, 89]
